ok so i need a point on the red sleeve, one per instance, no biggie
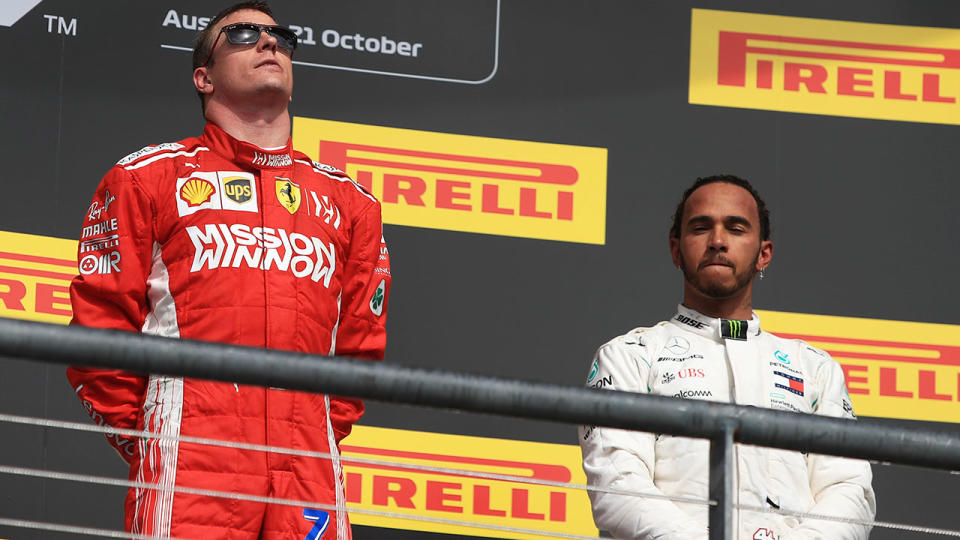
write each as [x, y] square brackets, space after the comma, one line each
[361, 330]
[114, 256]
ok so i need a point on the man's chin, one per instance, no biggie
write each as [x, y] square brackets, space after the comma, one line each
[714, 289]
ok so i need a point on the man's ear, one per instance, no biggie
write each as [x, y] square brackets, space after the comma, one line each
[765, 255]
[202, 81]
[675, 251]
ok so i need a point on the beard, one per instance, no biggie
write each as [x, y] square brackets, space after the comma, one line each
[718, 289]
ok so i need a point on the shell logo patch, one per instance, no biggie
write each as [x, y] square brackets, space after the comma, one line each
[196, 191]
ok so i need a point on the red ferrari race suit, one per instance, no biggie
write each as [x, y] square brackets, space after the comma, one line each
[216, 239]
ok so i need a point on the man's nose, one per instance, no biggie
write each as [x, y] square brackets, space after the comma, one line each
[267, 41]
[718, 239]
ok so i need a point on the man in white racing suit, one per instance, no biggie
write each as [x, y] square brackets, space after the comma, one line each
[714, 349]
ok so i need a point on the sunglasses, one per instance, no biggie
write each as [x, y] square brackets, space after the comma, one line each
[249, 33]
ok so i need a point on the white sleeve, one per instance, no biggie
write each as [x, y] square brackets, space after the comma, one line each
[840, 486]
[624, 460]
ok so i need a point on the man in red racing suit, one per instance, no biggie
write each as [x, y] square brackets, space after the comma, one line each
[218, 239]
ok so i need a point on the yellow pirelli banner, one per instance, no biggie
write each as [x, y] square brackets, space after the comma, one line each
[456, 489]
[893, 369]
[35, 274]
[467, 183]
[821, 66]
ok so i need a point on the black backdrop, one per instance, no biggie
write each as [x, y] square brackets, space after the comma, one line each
[863, 210]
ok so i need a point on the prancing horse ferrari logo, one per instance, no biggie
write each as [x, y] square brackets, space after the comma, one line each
[288, 194]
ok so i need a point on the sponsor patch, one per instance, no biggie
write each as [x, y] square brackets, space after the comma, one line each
[784, 367]
[98, 208]
[691, 373]
[686, 373]
[147, 150]
[326, 210]
[793, 384]
[379, 295]
[594, 369]
[679, 359]
[288, 194]
[781, 403]
[262, 159]
[197, 191]
[238, 190]
[239, 245]
[603, 382]
[216, 190]
[106, 263]
[693, 394]
[689, 321]
[97, 229]
[734, 329]
[328, 168]
[96, 244]
[678, 345]
[764, 534]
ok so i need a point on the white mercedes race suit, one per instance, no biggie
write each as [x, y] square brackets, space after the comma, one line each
[697, 357]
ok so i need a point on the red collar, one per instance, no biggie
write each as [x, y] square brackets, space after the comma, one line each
[243, 153]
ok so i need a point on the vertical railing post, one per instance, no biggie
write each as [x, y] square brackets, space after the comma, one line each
[721, 484]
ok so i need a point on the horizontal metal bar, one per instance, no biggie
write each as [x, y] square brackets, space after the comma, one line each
[864, 439]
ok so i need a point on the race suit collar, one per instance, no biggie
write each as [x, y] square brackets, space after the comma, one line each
[714, 328]
[244, 153]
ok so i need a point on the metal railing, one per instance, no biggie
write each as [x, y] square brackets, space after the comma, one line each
[723, 424]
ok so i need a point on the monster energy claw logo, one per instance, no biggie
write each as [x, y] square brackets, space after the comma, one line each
[733, 329]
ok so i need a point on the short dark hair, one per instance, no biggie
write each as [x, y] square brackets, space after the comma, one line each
[204, 39]
[762, 210]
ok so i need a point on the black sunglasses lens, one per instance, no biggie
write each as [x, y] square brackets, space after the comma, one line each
[286, 38]
[242, 33]
[248, 33]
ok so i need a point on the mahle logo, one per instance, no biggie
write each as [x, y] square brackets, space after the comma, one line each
[828, 67]
[12, 11]
[466, 183]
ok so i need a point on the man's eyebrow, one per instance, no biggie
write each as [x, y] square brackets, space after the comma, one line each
[738, 220]
[729, 220]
